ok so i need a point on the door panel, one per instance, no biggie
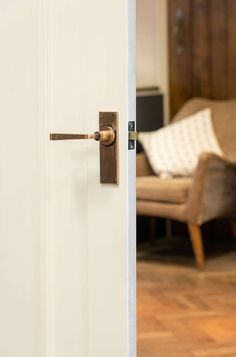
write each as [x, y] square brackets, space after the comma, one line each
[67, 242]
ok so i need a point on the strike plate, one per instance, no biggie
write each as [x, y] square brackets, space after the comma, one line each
[109, 153]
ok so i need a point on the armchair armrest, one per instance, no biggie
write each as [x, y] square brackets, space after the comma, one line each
[213, 192]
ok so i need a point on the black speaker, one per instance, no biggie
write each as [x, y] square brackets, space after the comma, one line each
[150, 113]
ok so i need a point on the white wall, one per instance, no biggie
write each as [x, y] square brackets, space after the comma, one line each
[152, 46]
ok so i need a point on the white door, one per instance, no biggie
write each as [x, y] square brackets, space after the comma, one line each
[67, 242]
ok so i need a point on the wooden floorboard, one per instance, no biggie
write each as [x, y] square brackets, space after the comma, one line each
[182, 312]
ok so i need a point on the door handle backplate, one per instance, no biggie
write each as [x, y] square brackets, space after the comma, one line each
[109, 153]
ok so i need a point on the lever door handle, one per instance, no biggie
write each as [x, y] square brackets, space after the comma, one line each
[106, 136]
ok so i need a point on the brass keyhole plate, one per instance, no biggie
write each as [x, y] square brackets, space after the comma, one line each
[109, 153]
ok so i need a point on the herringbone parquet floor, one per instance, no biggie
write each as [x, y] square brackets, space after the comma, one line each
[182, 312]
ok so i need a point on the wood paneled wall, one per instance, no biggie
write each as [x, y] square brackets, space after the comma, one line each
[204, 65]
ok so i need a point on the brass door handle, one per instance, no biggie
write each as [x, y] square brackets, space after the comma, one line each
[106, 136]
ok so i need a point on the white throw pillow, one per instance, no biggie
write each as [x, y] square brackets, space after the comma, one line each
[175, 149]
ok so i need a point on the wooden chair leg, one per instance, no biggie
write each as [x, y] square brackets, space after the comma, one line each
[197, 244]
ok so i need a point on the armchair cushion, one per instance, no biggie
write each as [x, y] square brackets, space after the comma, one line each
[152, 188]
[174, 150]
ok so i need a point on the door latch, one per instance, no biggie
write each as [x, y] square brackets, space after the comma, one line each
[132, 135]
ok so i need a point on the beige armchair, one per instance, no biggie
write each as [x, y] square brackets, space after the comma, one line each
[209, 194]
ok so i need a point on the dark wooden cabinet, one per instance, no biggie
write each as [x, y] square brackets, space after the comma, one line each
[202, 50]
